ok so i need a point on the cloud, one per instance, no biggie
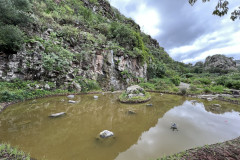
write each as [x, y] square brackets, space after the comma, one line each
[224, 41]
[147, 17]
[188, 33]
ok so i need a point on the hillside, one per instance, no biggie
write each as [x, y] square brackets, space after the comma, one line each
[73, 41]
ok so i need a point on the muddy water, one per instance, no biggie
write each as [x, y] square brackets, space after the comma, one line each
[144, 135]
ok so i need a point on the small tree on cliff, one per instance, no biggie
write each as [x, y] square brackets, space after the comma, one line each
[221, 9]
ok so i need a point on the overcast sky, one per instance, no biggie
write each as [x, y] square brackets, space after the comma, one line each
[188, 33]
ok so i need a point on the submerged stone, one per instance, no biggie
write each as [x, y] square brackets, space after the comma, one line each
[106, 134]
[57, 114]
[70, 96]
[174, 127]
[70, 101]
[149, 105]
[131, 112]
[95, 97]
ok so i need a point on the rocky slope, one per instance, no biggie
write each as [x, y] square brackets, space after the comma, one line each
[68, 40]
[219, 63]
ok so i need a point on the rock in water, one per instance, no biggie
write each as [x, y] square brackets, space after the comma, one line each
[106, 134]
[217, 105]
[95, 97]
[57, 114]
[149, 105]
[131, 112]
[70, 101]
[174, 127]
[70, 96]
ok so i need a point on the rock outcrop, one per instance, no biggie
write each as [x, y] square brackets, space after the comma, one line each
[219, 63]
[134, 94]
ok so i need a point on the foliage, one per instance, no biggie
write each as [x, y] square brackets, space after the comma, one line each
[138, 99]
[9, 152]
[156, 70]
[88, 85]
[123, 34]
[221, 9]
[14, 12]
[176, 80]
[11, 38]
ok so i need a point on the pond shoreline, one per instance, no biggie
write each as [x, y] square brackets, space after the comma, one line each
[229, 150]
[196, 96]
[225, 148]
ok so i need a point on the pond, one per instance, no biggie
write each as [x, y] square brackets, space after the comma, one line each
[144, 135]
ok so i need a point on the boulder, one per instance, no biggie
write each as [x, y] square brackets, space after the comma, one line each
[47, 87]
[57, 114]
[134, 94]
[216, 105]
[106, 134]
[134, 89]
[219, 63]
[174, 127]
[76, 86]
[70, 101]
[131, 112]
[70, 96]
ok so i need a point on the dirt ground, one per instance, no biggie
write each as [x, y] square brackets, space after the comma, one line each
[229, 150]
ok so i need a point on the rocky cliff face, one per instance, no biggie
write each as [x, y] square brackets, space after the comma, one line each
[219, 63]
[109, 69]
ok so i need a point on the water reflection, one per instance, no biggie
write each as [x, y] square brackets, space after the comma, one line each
[143, 135]
[196, 126]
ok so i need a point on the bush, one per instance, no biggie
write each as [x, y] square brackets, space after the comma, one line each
[193, 88]
[88, 85]
[156, 70]
[183, 91]
[14, 12]
[205, 81]
[175, 80]
[147, 85]
[11, 38]
[123, 34]
[207, 90]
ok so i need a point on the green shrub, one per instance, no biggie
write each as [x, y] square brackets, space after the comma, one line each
[176, 80]
[11, 38]
[193, 88]
[183, 91]
[205, 81]
[9, 152]
[123, 34]
[14, 12]
[147, 85]
[88, 85]
[156, 70]
[217, 88]
[207, 90]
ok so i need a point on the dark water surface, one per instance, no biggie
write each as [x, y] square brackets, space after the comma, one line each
[145, 135]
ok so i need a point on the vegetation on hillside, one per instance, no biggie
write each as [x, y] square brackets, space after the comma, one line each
[9, 152]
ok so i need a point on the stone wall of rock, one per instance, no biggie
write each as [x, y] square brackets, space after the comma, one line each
[219, 63]
[104, 66]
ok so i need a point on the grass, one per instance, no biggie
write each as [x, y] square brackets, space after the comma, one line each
[138, 99]
[19, 90]
[9, 152]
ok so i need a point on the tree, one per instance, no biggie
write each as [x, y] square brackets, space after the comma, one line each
[221, 9]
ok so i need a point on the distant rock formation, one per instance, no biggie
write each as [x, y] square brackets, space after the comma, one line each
[219, 63]
[237, 62]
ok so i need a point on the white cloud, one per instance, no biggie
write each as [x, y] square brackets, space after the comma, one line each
[148, 18]
[224, 41]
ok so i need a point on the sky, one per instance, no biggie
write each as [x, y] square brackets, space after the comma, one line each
[188, 33]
